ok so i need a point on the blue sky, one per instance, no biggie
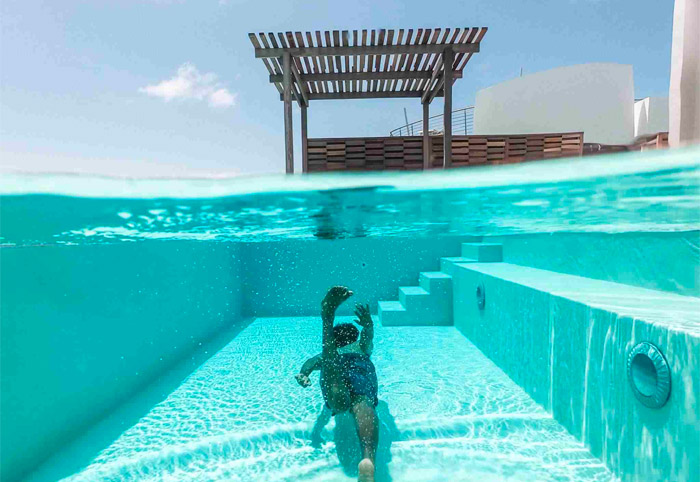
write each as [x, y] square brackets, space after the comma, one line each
[81, 82]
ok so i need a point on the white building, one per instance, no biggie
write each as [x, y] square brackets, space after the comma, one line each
[650, 116]
[684, 92]
[596, 98]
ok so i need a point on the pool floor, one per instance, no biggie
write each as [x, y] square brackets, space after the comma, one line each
[446, 411]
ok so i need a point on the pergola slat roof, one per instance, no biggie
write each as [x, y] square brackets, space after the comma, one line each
[366, 64]
[357, 64]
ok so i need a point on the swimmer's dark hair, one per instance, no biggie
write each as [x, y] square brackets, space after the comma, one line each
[344, 334]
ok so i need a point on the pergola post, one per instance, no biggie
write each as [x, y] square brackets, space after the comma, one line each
[426, 135]
[447, 113]
[288, 129]
[304, 141]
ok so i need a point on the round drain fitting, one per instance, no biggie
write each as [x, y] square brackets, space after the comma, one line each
[649, 375]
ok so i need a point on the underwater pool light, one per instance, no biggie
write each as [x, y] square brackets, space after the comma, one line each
[649, 375]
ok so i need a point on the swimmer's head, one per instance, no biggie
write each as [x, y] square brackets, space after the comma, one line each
[345, 333]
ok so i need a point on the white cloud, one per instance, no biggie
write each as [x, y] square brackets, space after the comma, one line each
[222, 98]
[190, 83]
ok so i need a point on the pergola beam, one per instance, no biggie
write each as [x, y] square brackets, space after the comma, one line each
[364, 95]
[276, 78]
[304, 100]
[430, 94]
[436, 91]
[468, 48]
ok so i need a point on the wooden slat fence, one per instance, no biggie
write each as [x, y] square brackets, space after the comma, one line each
[406, 153]
[369, 153]
[642, 143]
[658, 141]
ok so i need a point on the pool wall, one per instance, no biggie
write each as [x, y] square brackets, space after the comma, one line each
[661, 261]
[290, 278]
[84, 328]
[565, 339]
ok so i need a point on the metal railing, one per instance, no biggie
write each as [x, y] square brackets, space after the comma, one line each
[462, 124]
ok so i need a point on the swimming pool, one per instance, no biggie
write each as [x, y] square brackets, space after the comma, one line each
[151, 328]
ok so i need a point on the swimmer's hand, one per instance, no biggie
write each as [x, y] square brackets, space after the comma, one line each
[302, 380]
[335, 297]
[363, 316]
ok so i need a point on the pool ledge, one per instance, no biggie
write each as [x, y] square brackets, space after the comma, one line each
[565, 339]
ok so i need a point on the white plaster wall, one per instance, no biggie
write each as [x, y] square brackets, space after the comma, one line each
[596, 98]
[650, 116]
[684, 92]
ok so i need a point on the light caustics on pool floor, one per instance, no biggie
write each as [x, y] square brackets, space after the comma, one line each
[447, 412]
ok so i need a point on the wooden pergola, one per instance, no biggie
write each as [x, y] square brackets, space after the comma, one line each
[366, 64]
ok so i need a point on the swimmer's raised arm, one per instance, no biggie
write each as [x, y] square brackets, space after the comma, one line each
[333, 299]
[364, 319]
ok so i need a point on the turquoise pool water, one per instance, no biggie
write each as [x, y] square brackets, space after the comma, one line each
[151, 329]
[442, 403]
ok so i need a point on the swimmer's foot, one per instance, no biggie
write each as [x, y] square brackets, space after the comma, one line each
[365, 471]
[316, 440]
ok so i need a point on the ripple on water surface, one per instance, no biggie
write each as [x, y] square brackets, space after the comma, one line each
[659, 192]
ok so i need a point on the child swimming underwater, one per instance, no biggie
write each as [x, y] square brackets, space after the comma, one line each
[348, 377]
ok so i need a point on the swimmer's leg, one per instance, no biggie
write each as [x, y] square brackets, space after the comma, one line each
[368, 432]
[323, 418]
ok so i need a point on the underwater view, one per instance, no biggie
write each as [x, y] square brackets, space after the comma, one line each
[526, 322]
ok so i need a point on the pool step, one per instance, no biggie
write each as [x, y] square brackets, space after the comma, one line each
[430, 303]
[447, 264]
[483, 252]
[391, 313]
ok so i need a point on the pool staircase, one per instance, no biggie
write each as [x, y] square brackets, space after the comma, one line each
[430, 303]
[581, 347]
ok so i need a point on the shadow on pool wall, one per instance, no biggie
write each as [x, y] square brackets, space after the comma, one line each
[86, 328]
